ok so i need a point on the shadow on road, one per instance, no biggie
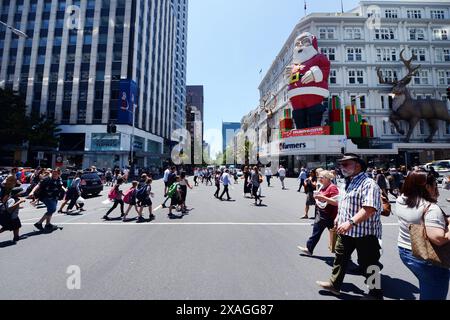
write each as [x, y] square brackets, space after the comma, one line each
[8, 243]
[398, 289]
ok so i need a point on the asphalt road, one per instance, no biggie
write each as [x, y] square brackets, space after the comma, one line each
[219, 251]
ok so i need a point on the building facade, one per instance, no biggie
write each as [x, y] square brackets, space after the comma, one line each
[181, 17]
[357, 42]
[73, 65]
[195, 121]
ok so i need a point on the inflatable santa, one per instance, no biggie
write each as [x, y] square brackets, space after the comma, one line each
[308, 82]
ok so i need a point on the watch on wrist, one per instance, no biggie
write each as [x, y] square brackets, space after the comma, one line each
[352, 223]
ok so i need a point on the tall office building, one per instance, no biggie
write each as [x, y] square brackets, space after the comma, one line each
[181, 18]
[194, 118]
[91, 62]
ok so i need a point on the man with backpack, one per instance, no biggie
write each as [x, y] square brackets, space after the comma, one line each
[174, 193]
[171, 179]
[49, 190]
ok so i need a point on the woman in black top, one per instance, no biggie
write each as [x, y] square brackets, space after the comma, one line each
[310, 186]
[247, 184]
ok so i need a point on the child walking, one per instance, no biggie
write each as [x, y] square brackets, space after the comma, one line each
[130, 199]
[9, 209]
[145, 200]
[116, 195]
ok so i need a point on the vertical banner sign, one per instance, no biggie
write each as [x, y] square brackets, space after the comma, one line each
[128, 98]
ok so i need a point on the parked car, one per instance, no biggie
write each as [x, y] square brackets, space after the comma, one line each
[91, 184]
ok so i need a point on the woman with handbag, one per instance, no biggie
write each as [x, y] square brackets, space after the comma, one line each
[417, 206]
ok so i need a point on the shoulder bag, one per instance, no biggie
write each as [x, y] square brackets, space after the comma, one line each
[422, 247]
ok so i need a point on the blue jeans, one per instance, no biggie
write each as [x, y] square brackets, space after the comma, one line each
[51, 205]
[433, 280]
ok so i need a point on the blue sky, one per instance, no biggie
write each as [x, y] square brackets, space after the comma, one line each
[230, 41]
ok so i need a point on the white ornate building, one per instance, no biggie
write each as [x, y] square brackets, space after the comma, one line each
[357, 42]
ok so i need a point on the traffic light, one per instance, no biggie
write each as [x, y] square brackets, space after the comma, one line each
[111, 128]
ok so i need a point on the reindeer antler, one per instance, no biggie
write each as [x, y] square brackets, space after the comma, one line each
[411, 70]
[382, 79]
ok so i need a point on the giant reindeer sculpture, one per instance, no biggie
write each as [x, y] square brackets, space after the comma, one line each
[269, 108]
[412, 110]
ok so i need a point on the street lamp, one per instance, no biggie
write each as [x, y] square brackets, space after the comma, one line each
[14, 30]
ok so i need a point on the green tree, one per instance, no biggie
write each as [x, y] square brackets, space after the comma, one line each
[43, 131]
[14, 124]
[16, 127]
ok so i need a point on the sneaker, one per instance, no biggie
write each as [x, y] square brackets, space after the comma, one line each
[105, 218]
[328, 286]
[152, 217]
[50, 226]
[163, 206]
[39, 226]
[16, 239]
[141, 219]
[304, 250]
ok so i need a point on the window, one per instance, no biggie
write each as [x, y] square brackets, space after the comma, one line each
[329, 52]
[419, 54]
[391, 13]
[354, 54]
[442, 55]
[326, 33]
[386, 54]
[356, 76]
[83, 95]
[54, 77]
[416, 34]
[440, 34]
[386, 102]
[353, 33]
[444, 77]
[52, 95]
[389, 75]
[333, 77]
[67, 95]
[70, 57]
[437, 14]
[69, 75]
[421, 78]
[84, 75]
[385, 34]
[414, 14]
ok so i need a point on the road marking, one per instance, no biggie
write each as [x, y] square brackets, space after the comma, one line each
[195, 224]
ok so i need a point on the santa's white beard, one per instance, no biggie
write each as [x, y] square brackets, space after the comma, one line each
[305, 55]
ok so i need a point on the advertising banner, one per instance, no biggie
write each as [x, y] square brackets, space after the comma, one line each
[127, 100]
[317, 131]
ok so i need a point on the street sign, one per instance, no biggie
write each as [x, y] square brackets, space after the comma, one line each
[40, 156]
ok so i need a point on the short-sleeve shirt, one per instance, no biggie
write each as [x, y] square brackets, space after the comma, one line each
[13, 212]
[330, 192]
[361, 192]
[407, 216]
[50, 188]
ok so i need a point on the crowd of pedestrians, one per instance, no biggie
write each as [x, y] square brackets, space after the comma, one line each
[350, 212]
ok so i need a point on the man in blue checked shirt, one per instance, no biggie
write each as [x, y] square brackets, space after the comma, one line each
[358, 224]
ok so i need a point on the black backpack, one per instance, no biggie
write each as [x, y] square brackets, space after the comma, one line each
[5, 216]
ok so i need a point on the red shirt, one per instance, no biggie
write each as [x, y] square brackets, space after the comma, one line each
[330, 192]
